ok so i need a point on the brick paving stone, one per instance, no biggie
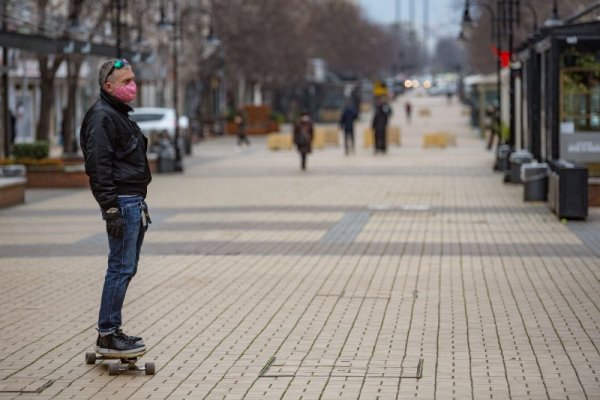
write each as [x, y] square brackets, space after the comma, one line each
[414, 275]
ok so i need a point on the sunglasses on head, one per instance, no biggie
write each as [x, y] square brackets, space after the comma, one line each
[118, 64]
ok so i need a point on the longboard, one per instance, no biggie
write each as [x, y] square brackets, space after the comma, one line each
[128, 362]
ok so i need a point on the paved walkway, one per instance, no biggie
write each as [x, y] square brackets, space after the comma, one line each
[412, 275]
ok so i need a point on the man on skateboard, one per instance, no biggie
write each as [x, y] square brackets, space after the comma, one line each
[114, 149]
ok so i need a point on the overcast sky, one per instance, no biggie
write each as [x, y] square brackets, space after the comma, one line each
[444, 15]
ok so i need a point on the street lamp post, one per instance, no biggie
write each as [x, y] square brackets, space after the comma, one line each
[467, 28]
[174, 28]
[176, 37]
[510, 13]
[507, 17]
[118, 8]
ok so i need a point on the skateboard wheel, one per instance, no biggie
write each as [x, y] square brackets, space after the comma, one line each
[150, 368]
[113, 369]
[90, 358]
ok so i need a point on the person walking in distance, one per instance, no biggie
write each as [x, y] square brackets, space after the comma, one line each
[491, 117]
[408, 111]
[240, 123]
[114, 150]
[303, 136]
[379, 125]
[349, 115]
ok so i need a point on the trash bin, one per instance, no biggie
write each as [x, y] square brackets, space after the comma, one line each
[502, 154]
[166, 157]
[517, 159]
[569, 190]
[535, 179]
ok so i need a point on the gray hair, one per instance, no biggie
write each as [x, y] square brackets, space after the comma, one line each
[104, 70]
[108, 66]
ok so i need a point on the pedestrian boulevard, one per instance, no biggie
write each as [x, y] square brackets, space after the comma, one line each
[412, 275]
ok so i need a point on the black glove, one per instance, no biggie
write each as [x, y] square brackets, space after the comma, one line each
[114, 223]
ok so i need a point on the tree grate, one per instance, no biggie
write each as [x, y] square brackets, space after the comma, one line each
[272, 370]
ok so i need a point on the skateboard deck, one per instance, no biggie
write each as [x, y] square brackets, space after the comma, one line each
[127, 362]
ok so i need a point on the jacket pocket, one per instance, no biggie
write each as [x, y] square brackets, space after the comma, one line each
[128, 148]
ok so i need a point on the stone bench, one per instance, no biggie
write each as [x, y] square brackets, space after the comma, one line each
[279, 141]
[327, 136]
[424, 112]
[393, 136]
[319, 139]
[439, 139]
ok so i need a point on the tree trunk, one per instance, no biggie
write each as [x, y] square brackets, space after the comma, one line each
[46, 104]
[70, 144]
[47, 75]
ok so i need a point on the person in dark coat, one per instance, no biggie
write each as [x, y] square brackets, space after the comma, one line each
[240, 122]
[408, 111]
[349, 115]
[114, 149]
[303, 136]
[380, 122]
[12, 127]
[491, 118]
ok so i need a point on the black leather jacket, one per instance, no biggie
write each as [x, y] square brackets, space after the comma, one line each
[114, 149]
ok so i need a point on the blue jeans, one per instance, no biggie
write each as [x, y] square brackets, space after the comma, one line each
[123, 260]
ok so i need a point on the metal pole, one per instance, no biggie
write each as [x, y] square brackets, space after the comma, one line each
[118, 4]
[398, 59]
[425, 29]
[5, 111]
[176, 27]
[499, 70]
[513, 122]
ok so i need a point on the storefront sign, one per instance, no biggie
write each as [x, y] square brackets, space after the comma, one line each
[580, 147]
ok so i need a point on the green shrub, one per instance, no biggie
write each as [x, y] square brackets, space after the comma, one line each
[231, 113]
[277, 117]
[505, 131]
[35, 150]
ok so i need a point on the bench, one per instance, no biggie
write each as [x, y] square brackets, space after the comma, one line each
[393, 136]
[319, 139]
[439, 139]
[330, 136]
[279, 141]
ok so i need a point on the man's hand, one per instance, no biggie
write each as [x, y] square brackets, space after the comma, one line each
[114, 222]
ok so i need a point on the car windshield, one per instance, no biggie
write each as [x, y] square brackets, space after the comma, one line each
[141, 117]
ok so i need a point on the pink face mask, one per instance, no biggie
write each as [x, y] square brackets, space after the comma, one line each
[126, 93]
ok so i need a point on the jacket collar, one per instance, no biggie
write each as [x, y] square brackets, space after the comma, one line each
[114, 102]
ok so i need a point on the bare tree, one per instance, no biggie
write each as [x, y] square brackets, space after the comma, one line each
[339, 33]
[48, 66]
[96, 11]
[448, 56]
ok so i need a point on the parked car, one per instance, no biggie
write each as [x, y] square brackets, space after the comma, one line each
[155, 122]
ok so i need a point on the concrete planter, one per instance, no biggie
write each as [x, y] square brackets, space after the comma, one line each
[12, 191]
[67, 176]
[594, 192]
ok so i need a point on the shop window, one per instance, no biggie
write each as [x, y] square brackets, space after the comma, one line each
[580, 91]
